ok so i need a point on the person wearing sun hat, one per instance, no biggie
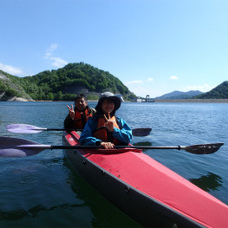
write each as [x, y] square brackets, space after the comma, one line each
[105, 128]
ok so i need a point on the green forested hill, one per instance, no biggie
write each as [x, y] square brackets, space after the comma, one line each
[219, 92]
[64, 83]
[9, 89]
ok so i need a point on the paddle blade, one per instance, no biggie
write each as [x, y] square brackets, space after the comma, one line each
[15, 147]
[141, 131]
[24, 128]
[204, 148]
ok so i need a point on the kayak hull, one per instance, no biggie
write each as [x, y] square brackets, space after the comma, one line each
[144, 189]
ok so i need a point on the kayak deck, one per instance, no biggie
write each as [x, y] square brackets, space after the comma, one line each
[154, 189]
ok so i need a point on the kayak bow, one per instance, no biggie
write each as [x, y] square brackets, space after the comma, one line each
[144, 189]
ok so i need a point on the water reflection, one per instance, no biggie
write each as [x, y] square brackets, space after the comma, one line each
[32, 212]
[104, 213]
[146, 143]
[208, 182]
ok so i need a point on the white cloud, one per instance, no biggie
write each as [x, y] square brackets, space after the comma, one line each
[11, 70]
[53, 47]
[55, 61]
[150, 79]
[50, 50]
[134, 82]
[173, 77]
[202, 88]
[58, 62]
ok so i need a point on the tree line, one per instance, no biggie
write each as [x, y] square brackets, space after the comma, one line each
[63, 83]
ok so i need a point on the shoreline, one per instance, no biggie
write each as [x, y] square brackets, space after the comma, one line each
[191, 101]
[19, 99]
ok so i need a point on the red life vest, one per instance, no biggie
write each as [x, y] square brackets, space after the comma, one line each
[81, 118]
[102, 132]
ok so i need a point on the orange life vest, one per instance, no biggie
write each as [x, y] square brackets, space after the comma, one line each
[102, 132]
[81, 118]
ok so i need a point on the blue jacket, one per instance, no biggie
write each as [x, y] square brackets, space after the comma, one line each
[124, 134]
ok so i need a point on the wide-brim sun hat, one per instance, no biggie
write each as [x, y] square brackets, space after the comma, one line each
[109, 96]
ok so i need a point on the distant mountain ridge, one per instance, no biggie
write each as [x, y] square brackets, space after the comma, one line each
[219, 92]
[180, 95]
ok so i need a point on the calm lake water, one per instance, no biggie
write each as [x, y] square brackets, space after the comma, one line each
[43, 191]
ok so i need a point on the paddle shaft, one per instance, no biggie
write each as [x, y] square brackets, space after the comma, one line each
[195, 149]
[16, 147]
[60, 129]
[52, 147]
[30, 129]
[135, 131]
[117, 147]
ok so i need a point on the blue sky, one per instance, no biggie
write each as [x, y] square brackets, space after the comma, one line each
[153, 46]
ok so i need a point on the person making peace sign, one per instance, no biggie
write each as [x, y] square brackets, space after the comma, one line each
[104, 128]
[78, 116]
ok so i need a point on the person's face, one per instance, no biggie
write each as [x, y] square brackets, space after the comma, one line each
[80, 104]
[108, 106]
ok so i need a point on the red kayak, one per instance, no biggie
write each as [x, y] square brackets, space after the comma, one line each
[144, 189]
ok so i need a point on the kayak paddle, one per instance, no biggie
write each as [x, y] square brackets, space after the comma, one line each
[30, 129]
[16, 147]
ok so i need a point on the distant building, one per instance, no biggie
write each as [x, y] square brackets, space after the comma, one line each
[143, 99]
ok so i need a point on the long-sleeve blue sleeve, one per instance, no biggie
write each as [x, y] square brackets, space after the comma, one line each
[86, 137]
[124, 134]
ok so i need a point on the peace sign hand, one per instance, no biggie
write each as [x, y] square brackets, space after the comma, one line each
[71, 111]
[109, 124]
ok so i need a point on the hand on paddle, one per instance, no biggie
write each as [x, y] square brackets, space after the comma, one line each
[107, 145]
[71, 111]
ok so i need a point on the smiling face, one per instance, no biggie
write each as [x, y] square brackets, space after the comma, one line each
[80, 104]
[108, 106]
